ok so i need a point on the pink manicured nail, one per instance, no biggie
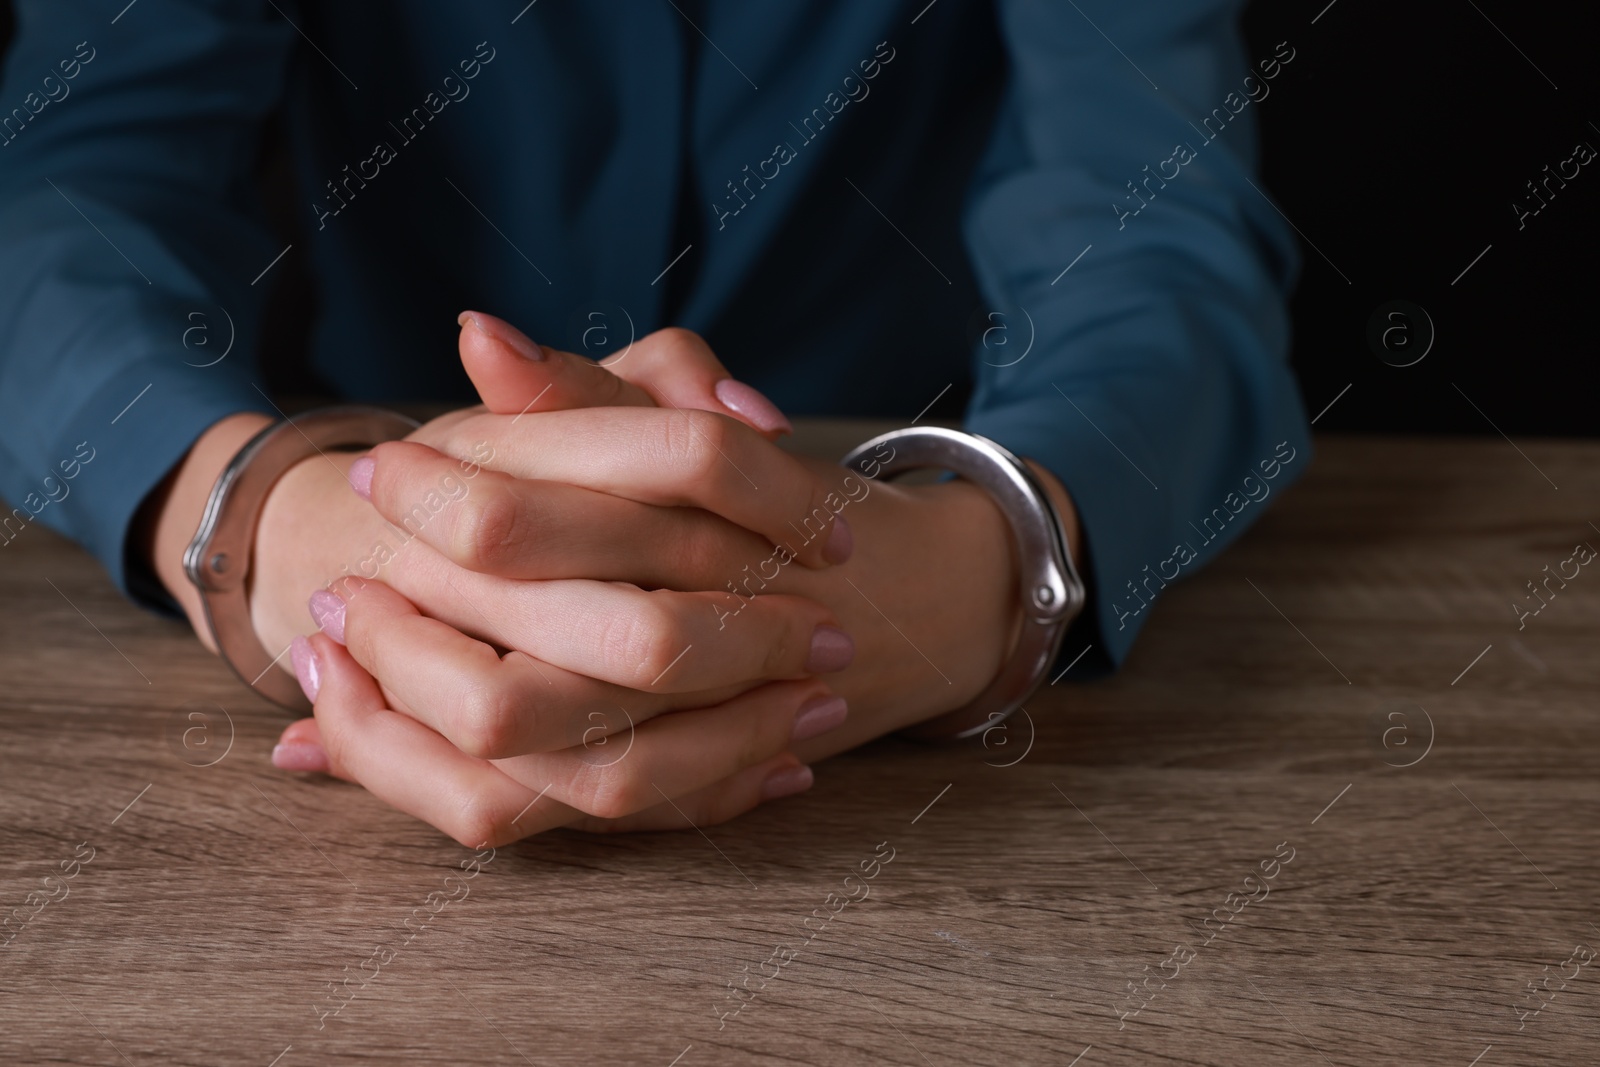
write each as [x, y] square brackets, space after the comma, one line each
[300, 756]
[787, 782]
[304, 658]
[502, 331]
[817, 716]
[741, 399]
[327, 608]
[360, 476]
[831, 650]
[840, 543]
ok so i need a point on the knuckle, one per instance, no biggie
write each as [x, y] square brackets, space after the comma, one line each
[643, 642]
[681, 446]
[718, 431]
[697, 443]
[779, 656]
[484, 535]
[484, 722]
[335, 737]
[677, 341]
[475, 821]
[608, 793]
[608, 388]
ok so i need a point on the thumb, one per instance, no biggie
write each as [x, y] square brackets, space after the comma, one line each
[669, 368]
[514, 376]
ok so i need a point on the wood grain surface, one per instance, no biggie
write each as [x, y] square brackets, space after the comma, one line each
[1335, 744]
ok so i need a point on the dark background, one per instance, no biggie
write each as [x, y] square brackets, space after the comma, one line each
[1396, 144]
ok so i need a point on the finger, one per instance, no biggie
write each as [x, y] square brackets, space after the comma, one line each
[671, 368]
[601, 632]
[673, 458]
[660, 641]
[515, 375]
[486, 704]
[677, 369]
[781, 776]
[681, 753]
[299, 748]
[410, 767]
[493, 523]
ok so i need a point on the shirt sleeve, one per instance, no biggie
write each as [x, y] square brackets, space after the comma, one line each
[129, 240]
[1118, 233]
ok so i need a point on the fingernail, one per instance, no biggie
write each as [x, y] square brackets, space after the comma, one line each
[502, 331]
[787, 782]
[327, 608]
[304, 658]
[741, 399]
[360, 475]
[840, 543]
[300, 756]
[817, 716]
[831, 650]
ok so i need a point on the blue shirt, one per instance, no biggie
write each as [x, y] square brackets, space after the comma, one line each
[858, 203]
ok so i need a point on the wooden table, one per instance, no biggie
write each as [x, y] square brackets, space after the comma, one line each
[1347, 685]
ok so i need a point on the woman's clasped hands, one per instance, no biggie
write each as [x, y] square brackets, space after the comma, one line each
[549, 613]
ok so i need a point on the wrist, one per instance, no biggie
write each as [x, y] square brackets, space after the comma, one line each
[999, 605]
[980, 541]
[223, 555]
[931, 597]
[309, 521]
[933, 600]
[1071, 530]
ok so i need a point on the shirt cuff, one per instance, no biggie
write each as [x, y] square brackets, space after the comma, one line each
[1122, 517]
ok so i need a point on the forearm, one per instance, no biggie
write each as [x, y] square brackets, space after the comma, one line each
[122, 208]
[1159, 377]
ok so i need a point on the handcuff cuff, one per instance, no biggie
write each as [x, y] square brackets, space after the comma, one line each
[1052, 592]
[217, 560]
